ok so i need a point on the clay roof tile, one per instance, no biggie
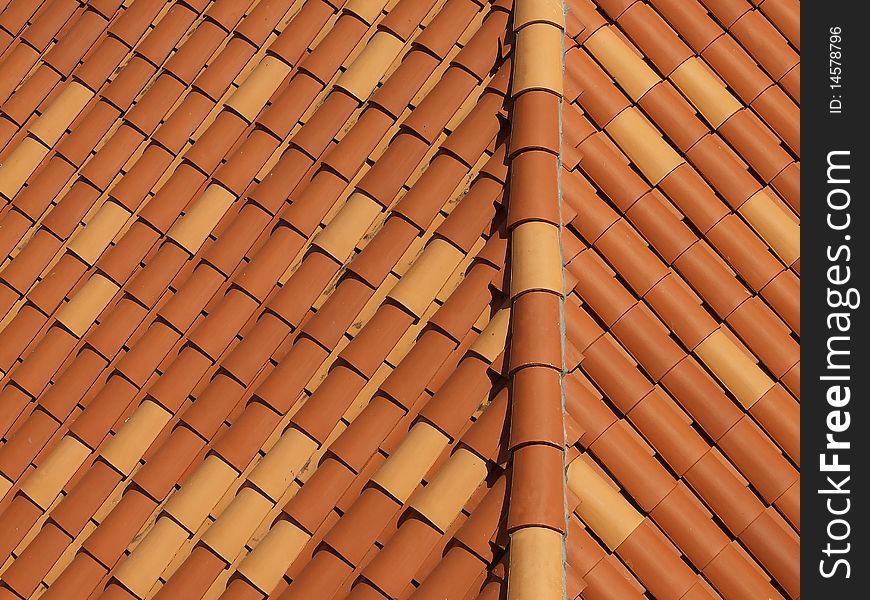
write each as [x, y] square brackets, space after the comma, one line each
[390, 241]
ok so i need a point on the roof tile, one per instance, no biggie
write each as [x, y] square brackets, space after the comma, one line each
[332, 347]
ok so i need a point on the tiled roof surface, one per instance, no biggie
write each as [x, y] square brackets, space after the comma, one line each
[399, 299]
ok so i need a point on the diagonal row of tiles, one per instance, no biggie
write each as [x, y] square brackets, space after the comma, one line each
[332, 412]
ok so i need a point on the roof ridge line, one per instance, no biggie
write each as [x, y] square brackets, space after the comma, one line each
[536, 513]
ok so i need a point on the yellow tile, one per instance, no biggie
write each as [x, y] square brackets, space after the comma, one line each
[5, 486]
[538, 11]
[142, 568]
[643, 144]
[276, 434]
[418, 287]
[442, 499]
[228, 496]
[249, 99]
[276, 471]
[367, 10]
[346, 193]
[197, 224]
[90, 242]
[228, 535]
[363, 75]
[403, 471]
[601, 507]
[348, 226]
[779, 230]
[737, 372]
[622, 63]
[44, 484]
[267, 563]
[356, 51]
[705, 91]
[127, 446]
[535, 570]
[191, 504]
[19, 165]
[538, 59]
[492, 340]
[179, 558]
[536, 258]
[82, 310]
[109, 503]
[269, 521]
[62, 111]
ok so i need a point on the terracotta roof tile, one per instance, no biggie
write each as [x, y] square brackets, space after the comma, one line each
[352, 299]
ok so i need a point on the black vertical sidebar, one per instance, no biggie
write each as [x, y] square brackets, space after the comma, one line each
[835, 299]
